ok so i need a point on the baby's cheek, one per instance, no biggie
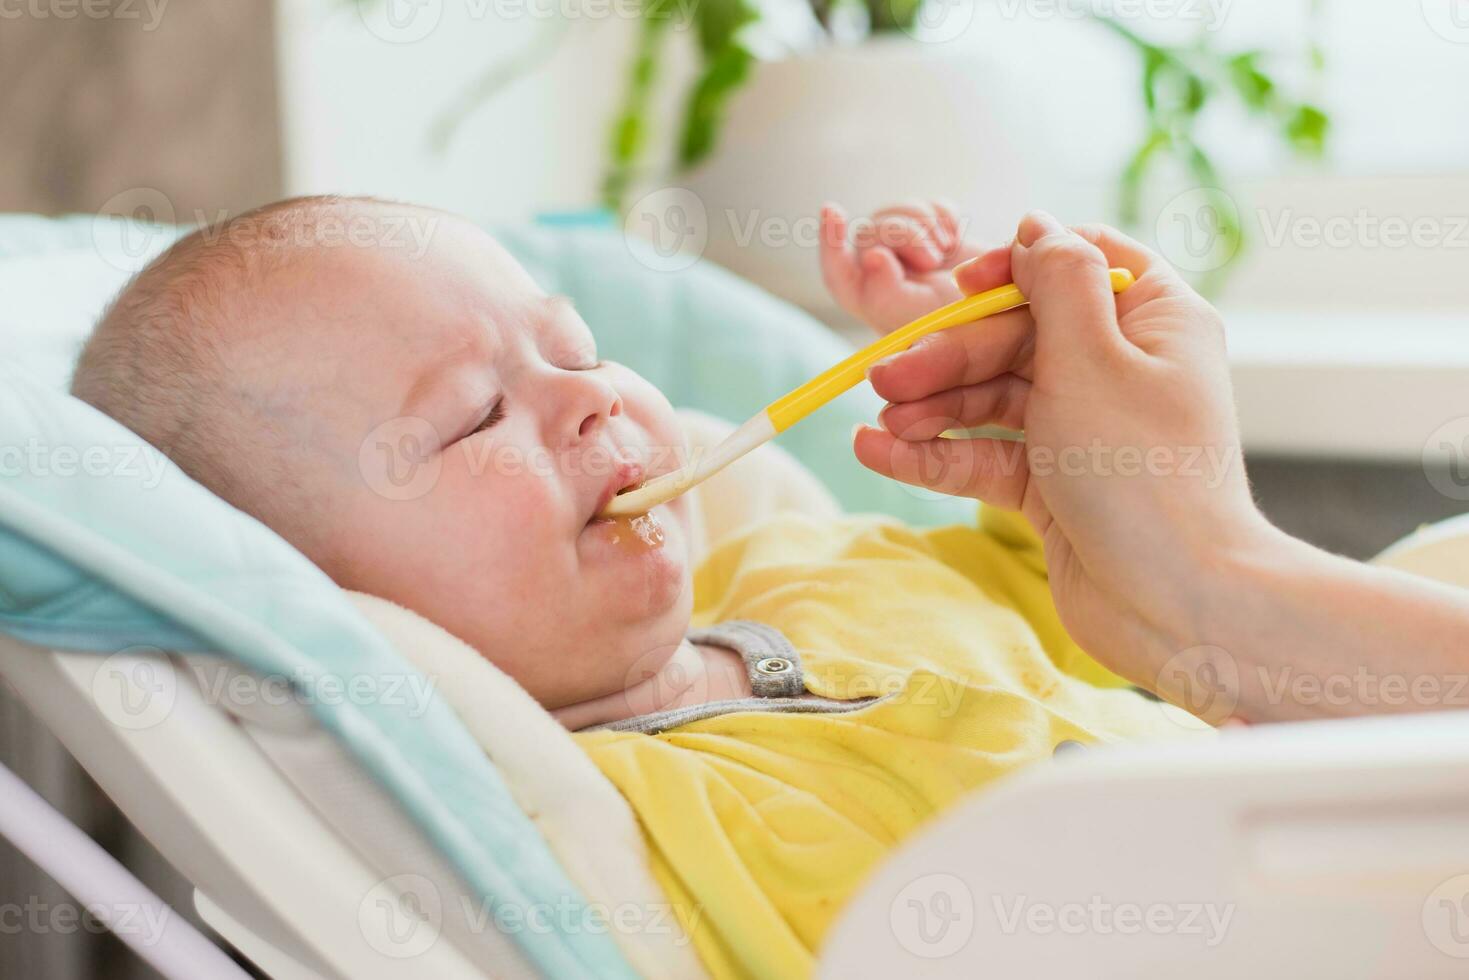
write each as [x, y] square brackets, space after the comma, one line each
[507, 500]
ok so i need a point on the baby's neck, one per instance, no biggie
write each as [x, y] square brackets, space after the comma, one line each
[695, 674]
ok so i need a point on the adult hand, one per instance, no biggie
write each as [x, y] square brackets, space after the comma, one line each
[1131, 468]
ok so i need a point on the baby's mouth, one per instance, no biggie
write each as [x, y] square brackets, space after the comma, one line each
[629, 476]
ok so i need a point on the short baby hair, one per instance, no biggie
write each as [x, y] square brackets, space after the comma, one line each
[163, 360]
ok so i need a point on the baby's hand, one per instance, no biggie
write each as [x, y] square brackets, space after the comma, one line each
[895, 266]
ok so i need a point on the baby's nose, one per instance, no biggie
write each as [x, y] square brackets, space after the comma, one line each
[604, 403]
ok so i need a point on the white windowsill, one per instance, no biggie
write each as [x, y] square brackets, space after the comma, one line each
[1360, 385]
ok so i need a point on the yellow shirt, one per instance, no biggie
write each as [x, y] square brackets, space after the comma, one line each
[761, 825]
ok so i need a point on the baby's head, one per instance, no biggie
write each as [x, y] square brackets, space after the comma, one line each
[423, 422]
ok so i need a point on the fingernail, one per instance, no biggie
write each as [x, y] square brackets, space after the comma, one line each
[1037, 225]
[884, 362]
[964, 267]
[856, 429]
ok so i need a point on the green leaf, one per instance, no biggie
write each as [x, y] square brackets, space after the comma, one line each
[894, 15]
[1133, 176]
[1307, 128]
[1153, 66]
[706, 105]
[1196, 93]
[719, 22]
[629, 134]
[1253, 85]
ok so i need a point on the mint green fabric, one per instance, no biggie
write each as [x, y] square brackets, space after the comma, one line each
[93, 555]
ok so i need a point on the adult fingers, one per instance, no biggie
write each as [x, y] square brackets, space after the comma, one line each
[1066, 280]
[999, 401]
[1121, 250]
[992, 470]
[987, 271]
[968, 354]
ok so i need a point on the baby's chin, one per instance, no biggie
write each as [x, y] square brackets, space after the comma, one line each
[639, 563]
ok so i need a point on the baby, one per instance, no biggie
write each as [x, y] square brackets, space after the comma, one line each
[849, 677]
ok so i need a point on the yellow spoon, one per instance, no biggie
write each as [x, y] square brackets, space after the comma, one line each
[789, 409]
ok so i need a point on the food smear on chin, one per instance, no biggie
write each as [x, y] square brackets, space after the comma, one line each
[638, 534]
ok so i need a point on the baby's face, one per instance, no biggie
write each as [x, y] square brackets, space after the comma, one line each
[459, 436]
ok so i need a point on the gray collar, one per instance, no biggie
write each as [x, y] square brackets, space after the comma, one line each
[777, 681]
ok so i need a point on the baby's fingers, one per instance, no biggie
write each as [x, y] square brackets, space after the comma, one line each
[915, 243]
[840, 266]
[999, 401]
[938, 223]
[882, 273]
[992, 470]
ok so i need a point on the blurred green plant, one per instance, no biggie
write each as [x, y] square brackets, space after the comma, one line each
[1179, 82]
[726, 61]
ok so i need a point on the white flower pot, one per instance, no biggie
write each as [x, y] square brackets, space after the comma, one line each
[864, 125]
